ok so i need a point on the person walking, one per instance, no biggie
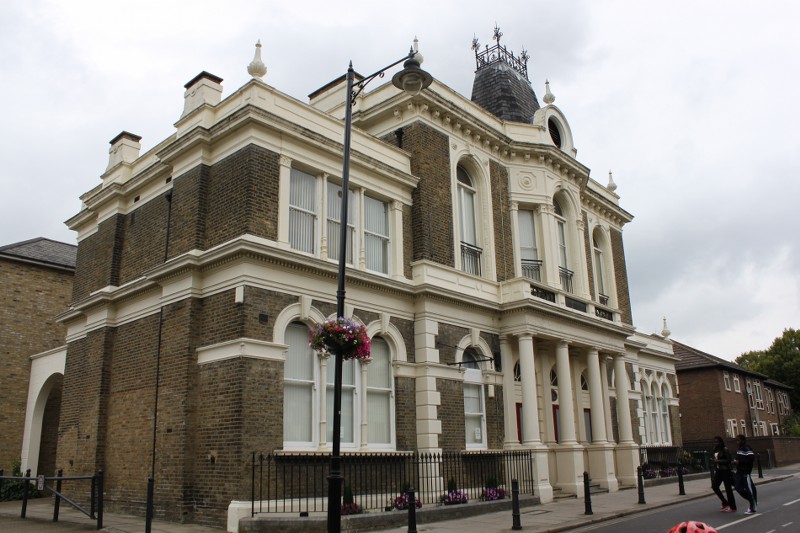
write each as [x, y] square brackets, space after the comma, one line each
[723, 475]
[744, 467]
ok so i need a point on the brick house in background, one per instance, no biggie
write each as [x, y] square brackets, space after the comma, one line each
[718, 397]
[35, 287]
[485, 263]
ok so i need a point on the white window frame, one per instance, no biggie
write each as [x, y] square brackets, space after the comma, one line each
[743, 427]
[736, 385]
[312, 384]
[732, 428]
[358, 388]
[666, 426]
[325, 224]
[759, 396]
[726, 378]
[468, 226]
[372, 389]
[528, 244]
[775, 429]
[473, 380]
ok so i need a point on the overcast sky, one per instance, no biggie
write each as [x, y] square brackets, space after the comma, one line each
[693, 105]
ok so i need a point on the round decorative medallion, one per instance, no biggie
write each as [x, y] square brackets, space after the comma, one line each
[527, 182]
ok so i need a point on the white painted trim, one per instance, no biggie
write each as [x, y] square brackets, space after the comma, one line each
[241, 348]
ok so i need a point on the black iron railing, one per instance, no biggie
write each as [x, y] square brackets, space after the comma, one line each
[297, 483]
[566, 279]
[532, 269]
[664, 461]
[471, 258]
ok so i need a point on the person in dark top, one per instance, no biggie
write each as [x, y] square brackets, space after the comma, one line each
[744, 466]
[723, 475]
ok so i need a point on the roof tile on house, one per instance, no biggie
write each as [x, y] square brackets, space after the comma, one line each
[691, 358]
[43, 251]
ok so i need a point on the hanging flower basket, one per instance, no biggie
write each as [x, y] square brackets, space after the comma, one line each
[343, 335]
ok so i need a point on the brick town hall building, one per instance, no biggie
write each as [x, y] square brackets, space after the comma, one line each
[485, 263]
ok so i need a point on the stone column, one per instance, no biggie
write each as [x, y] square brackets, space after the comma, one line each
[627, 450]
[569, 454]
[531, 435]
[601, 457]
[284, 184]
[509, 396]
[530, 404]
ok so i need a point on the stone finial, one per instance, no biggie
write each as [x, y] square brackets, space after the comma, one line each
[549, 97]
[205, 88]
[415, 49]
[611, 185]
[124, 149]
[257, 68]
[665, 332]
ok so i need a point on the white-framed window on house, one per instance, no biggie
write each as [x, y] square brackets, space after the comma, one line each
[376, 235]
[755, 428]
[727, 379]
[763, 428]
[748, 386]
[350, 406]
[528, 247]
[368, 222]
[770, 401]
[743, 427]
[474, 403]
[303, 211]
[334, 216]
[758, 396]
[775, 430]
[470, 245]
[300, 400]
[736, 386]
[564, 272]
[380, 395]
[599, 266]
[731, 428]
[666, 427]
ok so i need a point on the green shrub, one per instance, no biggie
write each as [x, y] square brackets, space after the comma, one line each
[12, 489]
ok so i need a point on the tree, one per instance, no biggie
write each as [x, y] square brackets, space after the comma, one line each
[780, 362]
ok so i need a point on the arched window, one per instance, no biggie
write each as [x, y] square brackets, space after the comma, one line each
[299, 391]
[528, 247]
[599, 265]
[666, 428]
[565, 274]
[380, 391]
[517, 372]
[305, 408]
[470, 245]
[648, 431]
[474, 405]
[555, 132]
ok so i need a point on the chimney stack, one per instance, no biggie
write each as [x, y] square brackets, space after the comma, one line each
[205, 88]
[124, 149]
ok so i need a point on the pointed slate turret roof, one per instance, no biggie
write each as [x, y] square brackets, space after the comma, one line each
[501, 83]
[42, 251]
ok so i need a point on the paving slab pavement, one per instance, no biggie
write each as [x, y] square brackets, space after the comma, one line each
[560, 515]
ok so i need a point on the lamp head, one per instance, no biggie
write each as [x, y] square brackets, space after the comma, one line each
[412, 79]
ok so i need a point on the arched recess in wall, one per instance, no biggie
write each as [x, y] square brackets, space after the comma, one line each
[41, 433]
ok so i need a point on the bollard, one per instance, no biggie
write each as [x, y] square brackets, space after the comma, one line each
[412, 511]
[148, 518]
[758, 463]
[101, 487]
[587, 494]
[515, 523]
[681, 488]
[57, 501]
[25, 487]
[1, 481]
[640, 483]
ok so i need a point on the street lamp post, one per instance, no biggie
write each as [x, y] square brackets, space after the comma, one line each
[411, 79]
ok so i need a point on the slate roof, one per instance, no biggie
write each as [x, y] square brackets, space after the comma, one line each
[692, 359]
[46, 252]
[505, 93]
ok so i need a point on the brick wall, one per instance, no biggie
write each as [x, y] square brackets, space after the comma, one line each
[432, 216]
[504, 252]
[451, 414]
[98, 260]
[621, 276]
[702, 415]
[30, 299]
[405, 413]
